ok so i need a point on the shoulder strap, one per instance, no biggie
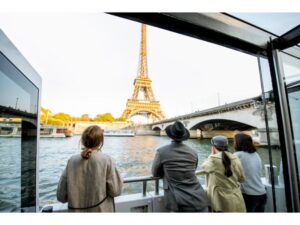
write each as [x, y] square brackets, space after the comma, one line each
[99, 203]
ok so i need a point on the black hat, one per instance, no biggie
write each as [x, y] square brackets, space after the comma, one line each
[177, 131]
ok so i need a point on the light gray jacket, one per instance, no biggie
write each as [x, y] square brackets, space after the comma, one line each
[252, 166]
[176, 163]
[85, 183]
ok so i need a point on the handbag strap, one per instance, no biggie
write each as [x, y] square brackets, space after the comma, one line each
[89, 207]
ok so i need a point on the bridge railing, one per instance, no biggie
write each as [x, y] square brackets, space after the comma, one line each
[217, 109]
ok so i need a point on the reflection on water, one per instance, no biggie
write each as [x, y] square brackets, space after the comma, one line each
[10, 174]
[133, 156]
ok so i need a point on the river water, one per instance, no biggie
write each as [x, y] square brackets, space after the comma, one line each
[133, 156]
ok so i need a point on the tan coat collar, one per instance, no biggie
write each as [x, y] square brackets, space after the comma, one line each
[219, 155]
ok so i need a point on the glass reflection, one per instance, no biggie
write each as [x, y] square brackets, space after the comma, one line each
[17, 92]
[10, 165]
[276, 193]
[291, 68]
[18, 139]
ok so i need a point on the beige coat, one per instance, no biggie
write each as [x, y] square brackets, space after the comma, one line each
[85, 183]
[224, 192]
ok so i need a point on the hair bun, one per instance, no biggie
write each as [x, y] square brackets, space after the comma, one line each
[86, 154]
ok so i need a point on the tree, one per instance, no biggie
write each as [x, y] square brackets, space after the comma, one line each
[63, 116]
[85, 117]
[120, 119]
[106, 117]
[45, 115]
[45, 111]
[56, 122]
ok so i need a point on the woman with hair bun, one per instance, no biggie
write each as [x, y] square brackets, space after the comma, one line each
[90, 180]
[224, 173]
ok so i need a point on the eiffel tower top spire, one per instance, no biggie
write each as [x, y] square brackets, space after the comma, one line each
[142, 82]
[143, 67]
[142, 86]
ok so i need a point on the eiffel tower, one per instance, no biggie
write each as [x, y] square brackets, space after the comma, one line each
[142, 85]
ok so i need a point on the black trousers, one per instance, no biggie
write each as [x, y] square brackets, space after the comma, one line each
[255, 203]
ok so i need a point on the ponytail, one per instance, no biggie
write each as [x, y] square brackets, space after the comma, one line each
[227, 164]
[86, 153]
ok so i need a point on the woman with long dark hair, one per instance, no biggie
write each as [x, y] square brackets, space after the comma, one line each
[224, 173]
[91, 179]
[252, 188]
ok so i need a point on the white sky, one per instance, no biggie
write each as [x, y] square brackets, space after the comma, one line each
[88, 62]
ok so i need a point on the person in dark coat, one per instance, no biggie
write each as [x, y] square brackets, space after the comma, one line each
[176, 163]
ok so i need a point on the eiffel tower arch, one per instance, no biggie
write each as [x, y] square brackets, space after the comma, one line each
[142, 86]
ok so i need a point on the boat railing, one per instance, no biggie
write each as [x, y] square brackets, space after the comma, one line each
[144, 180]
[152, 201]
[124, 203]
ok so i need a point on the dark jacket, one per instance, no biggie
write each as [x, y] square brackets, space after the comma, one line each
[176, 163]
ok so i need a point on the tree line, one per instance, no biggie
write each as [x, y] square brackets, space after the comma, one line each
[59, 119]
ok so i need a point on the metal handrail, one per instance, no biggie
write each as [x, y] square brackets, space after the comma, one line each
[144, 180]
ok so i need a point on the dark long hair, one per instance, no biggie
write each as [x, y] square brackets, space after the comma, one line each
[244, 142]
[225, 160]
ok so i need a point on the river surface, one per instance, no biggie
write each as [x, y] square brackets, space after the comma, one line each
[133, 156]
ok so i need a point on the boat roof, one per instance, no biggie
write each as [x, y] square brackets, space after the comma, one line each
[247, 32]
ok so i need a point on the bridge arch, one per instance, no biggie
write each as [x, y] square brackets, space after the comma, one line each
[221, 124]
[156, 128]
[243, 117]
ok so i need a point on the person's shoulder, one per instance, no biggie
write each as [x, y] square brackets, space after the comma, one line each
[101, 156]
[242, 154]
[75, 158]
[256, 155]
[238, 153]
[164, 148]
[234, 156]
[216, 156]
[231, 155]
[188, 147]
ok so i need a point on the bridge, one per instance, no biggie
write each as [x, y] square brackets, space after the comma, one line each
[246, 115]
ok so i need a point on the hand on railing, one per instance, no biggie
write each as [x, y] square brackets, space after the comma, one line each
[200, 172]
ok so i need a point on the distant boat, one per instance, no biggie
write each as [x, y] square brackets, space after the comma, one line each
[10, 130]
[46, 131]
[119, 133]
[68, 133]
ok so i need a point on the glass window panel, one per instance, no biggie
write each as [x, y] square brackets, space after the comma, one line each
[276, 193]
[291, 69]
[17, 92]
[10, 164]
[276, 23]
[18, 139]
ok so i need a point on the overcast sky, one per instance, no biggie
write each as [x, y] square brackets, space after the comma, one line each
[88, 62]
